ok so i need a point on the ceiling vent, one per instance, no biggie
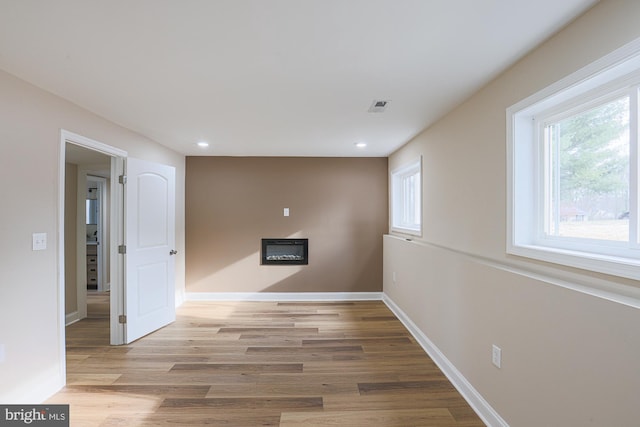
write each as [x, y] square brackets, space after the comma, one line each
[378, 106]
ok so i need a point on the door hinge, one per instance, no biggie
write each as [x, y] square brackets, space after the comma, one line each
[122, 249]
[122, 319]
[122, 179]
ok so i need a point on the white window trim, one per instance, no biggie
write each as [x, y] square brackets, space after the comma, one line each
[523, 182]
[406, 169]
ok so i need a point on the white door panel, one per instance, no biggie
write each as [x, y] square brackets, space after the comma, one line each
[150, 238]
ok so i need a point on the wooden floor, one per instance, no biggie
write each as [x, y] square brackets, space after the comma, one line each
[98, 304]
[260, 364]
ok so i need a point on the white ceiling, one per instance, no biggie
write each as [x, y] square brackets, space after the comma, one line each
[272, 77]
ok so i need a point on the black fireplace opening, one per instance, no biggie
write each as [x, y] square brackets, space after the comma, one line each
[285, 252]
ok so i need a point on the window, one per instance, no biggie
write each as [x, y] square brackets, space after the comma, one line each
[587, 182]
[406, 195]
[573, 169]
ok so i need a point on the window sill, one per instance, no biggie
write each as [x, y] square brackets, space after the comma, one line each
[398, 230]
[613, 265]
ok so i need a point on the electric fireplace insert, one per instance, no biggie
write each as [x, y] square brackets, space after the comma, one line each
[285, 252]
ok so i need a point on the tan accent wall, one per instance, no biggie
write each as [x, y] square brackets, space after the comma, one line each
[568, 358]
[70, 220]
[339, 204]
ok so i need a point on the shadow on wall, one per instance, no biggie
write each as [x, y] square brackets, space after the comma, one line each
[248, 275]
[302, 282]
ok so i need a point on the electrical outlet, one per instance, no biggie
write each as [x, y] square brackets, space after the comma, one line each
[39, 241]
[496, 356]
[286, 211]
[393, 277]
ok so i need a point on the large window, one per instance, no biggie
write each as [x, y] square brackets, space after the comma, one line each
[573, 169]
[406, 206]
[587, 172]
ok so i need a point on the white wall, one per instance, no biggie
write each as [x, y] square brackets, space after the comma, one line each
[30, 122]
[569, 358]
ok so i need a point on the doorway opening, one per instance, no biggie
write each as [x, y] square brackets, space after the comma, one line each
[96, 220]
[142, 288]
[90, 224]
[86, 219]
[97, 224]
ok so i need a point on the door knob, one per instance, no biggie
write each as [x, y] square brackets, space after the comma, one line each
[173, 252]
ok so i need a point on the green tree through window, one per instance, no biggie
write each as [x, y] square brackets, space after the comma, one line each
[589, 155]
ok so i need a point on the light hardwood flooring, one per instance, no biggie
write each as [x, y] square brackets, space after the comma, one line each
[98, 304]
[261, 364]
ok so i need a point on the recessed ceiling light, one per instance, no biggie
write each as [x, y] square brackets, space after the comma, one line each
[202, 144]
[361, 144]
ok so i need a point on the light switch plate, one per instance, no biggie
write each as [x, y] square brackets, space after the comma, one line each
[496, 356]
[286, 211]
[39, 241]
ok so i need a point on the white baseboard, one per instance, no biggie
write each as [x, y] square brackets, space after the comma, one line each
[36, 390]
[283, 296]
[470, 394]
[71, 318]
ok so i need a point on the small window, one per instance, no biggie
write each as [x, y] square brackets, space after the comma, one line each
[406, 196]
[573, 169]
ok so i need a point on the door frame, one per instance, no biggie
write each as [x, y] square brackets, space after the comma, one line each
[83, 177]
[102, 228]
[116, 235]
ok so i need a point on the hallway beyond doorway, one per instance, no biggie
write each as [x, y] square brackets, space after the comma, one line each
[98, 305]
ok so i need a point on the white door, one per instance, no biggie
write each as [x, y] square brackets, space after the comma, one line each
[149, 302]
